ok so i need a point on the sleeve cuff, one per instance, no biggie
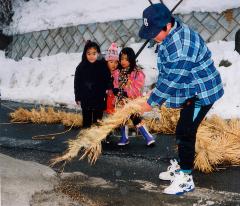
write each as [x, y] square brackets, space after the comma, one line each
[154, 100]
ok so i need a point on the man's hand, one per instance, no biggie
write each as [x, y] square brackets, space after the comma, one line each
[78, 103]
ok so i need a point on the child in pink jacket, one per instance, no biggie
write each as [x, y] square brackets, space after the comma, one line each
[128, 83]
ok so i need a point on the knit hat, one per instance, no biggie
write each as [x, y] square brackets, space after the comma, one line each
[112, 53]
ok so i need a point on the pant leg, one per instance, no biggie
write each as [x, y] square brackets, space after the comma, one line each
[97, 115]
[186, 132]
[87, 117]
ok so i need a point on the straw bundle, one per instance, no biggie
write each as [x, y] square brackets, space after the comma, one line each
[165, 122]
[89, 140]
[168, 120]
[69, 119]
[21, 115]
[218, 142]
[46, 115]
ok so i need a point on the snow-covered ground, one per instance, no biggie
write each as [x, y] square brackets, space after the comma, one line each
[49, 80]
[36, 15]
[21, 179]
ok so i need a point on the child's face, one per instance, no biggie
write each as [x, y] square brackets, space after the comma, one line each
[112, 65]
[92, 55]
[124, 61]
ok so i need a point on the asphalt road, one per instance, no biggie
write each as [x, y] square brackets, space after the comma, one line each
[133, 170]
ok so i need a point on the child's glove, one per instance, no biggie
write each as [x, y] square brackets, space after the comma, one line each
[115, 91]
[123, 93]
[119, 92]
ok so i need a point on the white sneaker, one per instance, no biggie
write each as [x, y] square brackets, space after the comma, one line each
[171, 170]
[182, 183]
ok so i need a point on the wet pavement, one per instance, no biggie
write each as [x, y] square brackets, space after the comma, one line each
[131, 172]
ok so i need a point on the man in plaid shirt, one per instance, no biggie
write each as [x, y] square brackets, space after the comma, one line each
[187, 80]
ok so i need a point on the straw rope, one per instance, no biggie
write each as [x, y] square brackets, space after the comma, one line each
[217, 143]
[89, 140]
[51, 136]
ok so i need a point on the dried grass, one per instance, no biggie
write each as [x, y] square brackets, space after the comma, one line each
[218, 140]
[165, 123]
[46, 115]
[89, 140]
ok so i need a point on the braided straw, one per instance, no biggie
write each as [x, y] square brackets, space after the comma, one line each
[217, 143]
[89, 140]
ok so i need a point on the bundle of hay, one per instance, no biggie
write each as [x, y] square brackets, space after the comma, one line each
[89, 143]
[218, 143]
[218, 140]
[21, 115]
[69, 119]
[165, 122]
[46, 115]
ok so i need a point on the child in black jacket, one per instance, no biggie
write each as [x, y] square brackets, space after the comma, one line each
[92, 79]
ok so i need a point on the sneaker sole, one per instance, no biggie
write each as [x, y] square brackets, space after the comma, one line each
[180, 193]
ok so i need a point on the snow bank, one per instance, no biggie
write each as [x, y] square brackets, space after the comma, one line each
[49, 80]
[36, 15]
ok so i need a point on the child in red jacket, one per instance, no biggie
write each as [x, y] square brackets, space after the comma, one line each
[112, 64]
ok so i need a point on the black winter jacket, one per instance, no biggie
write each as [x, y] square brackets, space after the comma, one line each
[90, 84]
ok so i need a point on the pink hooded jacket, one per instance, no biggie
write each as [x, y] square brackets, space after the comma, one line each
[135, 83]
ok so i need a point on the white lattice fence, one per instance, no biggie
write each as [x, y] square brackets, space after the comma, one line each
[211, 26]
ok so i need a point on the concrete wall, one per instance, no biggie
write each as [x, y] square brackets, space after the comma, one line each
[211, 26]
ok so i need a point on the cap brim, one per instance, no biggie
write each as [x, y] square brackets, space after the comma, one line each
[147, 33]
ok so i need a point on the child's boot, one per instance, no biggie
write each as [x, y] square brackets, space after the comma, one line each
[147, 136]
[124, 136]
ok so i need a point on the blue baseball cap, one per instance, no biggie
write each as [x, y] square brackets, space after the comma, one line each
[155, 17]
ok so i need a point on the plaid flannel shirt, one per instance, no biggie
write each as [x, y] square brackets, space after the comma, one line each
[185, 70]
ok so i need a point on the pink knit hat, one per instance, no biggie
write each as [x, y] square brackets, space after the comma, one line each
[112, 53]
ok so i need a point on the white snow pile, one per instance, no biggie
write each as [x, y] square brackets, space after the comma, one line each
[36, 15]
[49, 80]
